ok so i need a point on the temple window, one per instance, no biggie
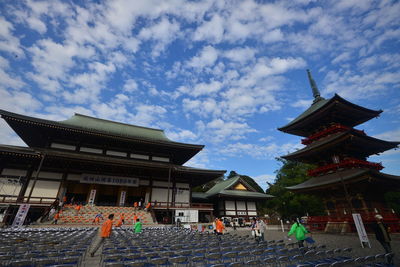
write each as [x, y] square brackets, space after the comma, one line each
[140, 156]
[163, 159]
[116, 153]
[91, 150]
[62, 146]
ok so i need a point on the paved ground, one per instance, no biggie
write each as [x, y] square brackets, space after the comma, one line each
[336, 241]
[332, 241]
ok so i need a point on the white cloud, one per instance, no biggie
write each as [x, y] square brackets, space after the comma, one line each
[263, 179]
[211, 31]
[181, 135]
[240, 55]
[206, 58]
[206, 88]
[18, 101]
[162, 33]
[130, 85]
[270, 151]
[8, 42]
[218, 130]
[302, 103]
[393, 135]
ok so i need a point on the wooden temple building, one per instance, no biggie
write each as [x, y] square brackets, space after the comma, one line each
[102, 163]
[344, 178]
[98, 162]
[233, 198]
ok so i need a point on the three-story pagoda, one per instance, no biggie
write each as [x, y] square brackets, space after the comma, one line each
[344, 178]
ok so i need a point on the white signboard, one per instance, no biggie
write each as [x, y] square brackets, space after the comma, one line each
[122, 198]
[111, 180]
[21, 215]
[187, 216]
[92, 196]
[362, 234]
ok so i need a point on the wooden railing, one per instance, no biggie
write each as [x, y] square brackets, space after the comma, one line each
[10, 199]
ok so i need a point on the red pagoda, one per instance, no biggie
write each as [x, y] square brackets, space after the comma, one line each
[343, 177]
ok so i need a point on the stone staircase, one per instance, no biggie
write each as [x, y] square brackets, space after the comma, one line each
[87, 213]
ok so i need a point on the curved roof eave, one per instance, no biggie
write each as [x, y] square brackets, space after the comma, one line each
[322, 103]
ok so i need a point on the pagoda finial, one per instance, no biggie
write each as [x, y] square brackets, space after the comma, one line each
[316, 93]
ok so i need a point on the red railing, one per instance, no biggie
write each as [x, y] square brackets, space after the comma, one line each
[318, 223]
[345, 164]
[336, 128]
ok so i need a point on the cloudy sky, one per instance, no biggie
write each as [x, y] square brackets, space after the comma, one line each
[225, 74]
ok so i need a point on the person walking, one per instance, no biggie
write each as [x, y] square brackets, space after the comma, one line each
[382, 234]
[300, 232]
[105, 232]
[135, 218]
[123, 218]
[138, 226]
[219, 225]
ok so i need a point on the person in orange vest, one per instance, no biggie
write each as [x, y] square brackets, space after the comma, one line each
[148, 206]
[97, 218]
[135, 205]
[118, 224]
[122, 218]
[105, 232]
[78, 208]
[219, 225]
[56, 217]
[135, 217]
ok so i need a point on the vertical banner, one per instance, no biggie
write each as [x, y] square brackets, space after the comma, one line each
[122, 198]
[92, 196]
[21, 215]
[362, 234]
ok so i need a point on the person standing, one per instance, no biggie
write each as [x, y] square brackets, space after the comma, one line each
[123, 218]
[261, 227]
[300, 232]
[105, 232]
[382, 233]
[138, 226]
[56, 217]
[135, 218]
[97, 218]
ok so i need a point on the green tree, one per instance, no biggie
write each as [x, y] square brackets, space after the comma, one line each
[393, 200]
[287, 203]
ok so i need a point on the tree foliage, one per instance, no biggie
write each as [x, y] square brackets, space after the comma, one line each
[393, 200]
[287, 203]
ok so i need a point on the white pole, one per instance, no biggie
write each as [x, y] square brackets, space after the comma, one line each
[283, 229]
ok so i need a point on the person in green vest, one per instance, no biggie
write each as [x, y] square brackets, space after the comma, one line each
[300, 232]
[138, 226]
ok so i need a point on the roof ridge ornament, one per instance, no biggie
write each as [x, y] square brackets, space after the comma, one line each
[316, 93]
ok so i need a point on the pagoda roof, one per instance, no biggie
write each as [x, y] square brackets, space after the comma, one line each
[349, 175]
[348, 142]
[195, 176]
[224, 188]
[326, 111]
[35, 132]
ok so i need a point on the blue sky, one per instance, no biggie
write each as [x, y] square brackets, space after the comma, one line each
[225, 74]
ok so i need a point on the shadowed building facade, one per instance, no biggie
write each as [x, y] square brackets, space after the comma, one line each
[343, 177]
[99, 162]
